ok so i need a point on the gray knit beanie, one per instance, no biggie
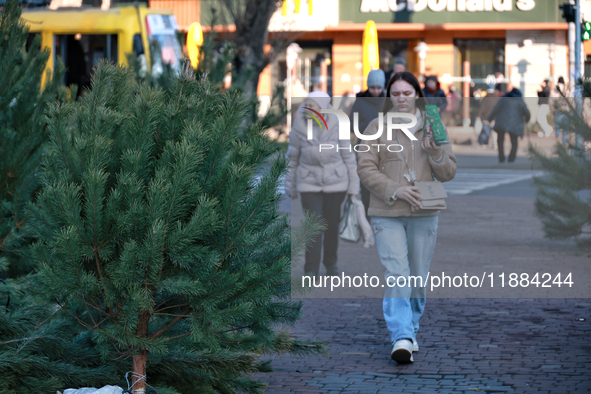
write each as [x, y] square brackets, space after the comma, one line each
[376, 78]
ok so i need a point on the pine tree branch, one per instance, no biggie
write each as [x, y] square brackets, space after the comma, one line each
[235, 329]
[62, 150]
[216, 157]
[175, 315]
[169, 307]
[178, 336]
[24, 186]
[172, 200]
[46, 320]
[90, 315]
[239, 230]
[98, 265]
[80, 321]
[18, 340]
[171, 324]
[31, 339]
[228, 217]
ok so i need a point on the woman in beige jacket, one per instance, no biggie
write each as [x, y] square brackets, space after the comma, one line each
[322, 175]
[405, 237]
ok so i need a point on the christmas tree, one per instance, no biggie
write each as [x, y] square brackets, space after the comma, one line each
[22, 131]
[41, 350]
[563, 201]
[159, 235]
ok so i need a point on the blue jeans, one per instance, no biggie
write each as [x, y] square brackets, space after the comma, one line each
[405, 246]
[561, 124]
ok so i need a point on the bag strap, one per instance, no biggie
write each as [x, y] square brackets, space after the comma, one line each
[346, 211]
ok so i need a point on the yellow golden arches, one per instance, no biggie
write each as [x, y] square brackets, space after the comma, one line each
[297, 7]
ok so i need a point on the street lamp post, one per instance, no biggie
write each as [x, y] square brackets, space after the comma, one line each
[577, 47]
[422, 49]
[291, 56]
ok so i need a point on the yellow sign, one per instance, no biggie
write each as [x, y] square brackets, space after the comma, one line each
[194, 41]
[371, 51]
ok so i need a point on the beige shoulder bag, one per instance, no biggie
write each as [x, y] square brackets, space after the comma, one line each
[433, 194]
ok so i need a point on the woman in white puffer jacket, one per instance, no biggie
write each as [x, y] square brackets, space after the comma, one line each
[322, 176]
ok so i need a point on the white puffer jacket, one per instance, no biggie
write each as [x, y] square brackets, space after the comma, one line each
[325, 171]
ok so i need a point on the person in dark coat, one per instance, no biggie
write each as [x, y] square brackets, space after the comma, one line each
[435, 95]
[544, 93]
[399, 66]
[510, 115]
[367, 106]
[372, 100]
[487, 104]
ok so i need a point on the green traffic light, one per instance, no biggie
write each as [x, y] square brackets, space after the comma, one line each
[586, 31]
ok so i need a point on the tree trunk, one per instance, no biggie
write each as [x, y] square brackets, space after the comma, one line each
[251, 18]
[139, 379]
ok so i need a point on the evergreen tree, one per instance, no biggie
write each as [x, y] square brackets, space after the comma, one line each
[22, 131]
[563, 201]
[41, 350]
[156, 236]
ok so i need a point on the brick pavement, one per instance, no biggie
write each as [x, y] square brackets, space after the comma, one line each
[467, 346]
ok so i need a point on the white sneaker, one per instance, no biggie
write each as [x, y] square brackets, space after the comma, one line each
[402, 351]
[415, 346]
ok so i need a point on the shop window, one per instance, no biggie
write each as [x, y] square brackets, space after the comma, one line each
[81, 52]
[390, 50]
[313, 68]
[486, 57]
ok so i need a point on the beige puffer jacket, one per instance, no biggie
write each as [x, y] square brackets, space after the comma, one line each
[383, 172]
[316, 171]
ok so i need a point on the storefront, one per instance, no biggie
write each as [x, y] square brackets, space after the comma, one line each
[525, 41]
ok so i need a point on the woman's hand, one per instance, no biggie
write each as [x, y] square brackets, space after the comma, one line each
[410, 194]
[432, 149]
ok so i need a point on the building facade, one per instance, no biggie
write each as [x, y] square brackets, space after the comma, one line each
[525, 41]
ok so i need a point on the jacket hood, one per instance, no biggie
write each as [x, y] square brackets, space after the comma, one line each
[300, 124]
[514, 93]
[366, 93]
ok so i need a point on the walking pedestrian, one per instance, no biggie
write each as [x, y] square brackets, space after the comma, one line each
[405, 234]
[510, 115]
[434, 94]
[544, 109]
[452, 110]
[487, 104]
[399, 66]
[367, 107]
[322, 178]
[559, 106]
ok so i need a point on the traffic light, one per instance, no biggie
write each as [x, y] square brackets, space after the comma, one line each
[586, 31]
[568, 12]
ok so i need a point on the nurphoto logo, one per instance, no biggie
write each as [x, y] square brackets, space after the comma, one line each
[345, 126]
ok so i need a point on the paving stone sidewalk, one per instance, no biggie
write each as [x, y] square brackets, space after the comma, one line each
[467, 346]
